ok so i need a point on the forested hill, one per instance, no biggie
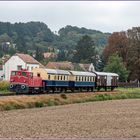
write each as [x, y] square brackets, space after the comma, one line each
[31, 36]
[70, 35]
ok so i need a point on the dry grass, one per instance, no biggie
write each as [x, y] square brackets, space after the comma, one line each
[28, 101]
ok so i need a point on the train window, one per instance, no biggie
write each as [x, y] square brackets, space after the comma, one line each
[38, 74]
[49, 77]
[64, 77]
[13, 73]
[61, 77]
[24, 74]
[90, 79]
[79, 78]
[76, 78]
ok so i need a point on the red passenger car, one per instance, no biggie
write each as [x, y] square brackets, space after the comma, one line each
[23, 81]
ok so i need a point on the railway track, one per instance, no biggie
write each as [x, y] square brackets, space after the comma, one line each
[51, 93]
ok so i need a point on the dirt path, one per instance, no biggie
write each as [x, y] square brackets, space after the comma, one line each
[120, 118]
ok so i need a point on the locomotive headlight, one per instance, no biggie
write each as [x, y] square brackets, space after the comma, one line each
[11, 86]
[22, 86]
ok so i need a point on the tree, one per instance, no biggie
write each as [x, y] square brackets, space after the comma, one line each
[38, 53]
[85, 50]
[115, 65]
[117, 42]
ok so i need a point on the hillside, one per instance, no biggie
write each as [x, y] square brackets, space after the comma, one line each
[33, 36]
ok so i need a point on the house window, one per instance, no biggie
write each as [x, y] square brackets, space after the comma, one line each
[19, 67]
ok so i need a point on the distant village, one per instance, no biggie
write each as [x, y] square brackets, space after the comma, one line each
[25, 61]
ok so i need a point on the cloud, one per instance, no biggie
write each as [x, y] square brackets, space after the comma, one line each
[107, 16]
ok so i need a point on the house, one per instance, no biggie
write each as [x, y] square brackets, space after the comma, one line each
[49, 55]
[65, 65]
[17, 62]
[87, 67]
[70, 66]
[1, 72]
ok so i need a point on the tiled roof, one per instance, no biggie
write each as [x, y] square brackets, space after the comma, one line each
[85, 67]
[27, 58]
[60, 65]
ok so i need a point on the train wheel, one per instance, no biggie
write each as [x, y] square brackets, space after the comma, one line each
[112, 88]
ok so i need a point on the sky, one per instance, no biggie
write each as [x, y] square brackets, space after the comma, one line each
[105, 16]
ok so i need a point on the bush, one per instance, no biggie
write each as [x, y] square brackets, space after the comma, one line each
[39, 104]
[4, 85]
[50, 103]
[63, 96]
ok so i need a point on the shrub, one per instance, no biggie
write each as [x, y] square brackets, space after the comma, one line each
[63, 96]
[39, 104]
[4, 85]
[50, 103]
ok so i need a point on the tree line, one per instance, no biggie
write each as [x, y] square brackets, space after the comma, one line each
[126, 45]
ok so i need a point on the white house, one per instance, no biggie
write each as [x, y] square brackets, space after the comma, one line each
[18, 61]
[1, 72]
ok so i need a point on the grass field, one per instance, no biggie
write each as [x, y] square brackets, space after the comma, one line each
[28, 101]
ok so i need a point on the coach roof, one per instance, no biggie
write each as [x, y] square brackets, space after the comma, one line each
[106, 73]
[56, 71]
[82, 73]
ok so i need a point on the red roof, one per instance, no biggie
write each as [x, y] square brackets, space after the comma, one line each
[27, 58]
[60, 65]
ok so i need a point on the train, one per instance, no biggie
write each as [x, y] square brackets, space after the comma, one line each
[41, 80]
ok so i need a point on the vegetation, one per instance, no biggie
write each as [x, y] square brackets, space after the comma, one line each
[73, 44]
[4, 86]
[35, 38]
[85, 50]
[62, 99]
[115, 65]
[127, 46]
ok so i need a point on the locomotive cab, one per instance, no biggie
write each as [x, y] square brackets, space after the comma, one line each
[22, 81]
[19, 81]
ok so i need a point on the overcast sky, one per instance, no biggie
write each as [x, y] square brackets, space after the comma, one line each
[103, 15]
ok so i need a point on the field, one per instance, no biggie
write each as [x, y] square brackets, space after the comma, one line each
[108, 119]
[31, 101]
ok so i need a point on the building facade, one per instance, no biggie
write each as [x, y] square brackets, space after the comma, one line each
[18, 61]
